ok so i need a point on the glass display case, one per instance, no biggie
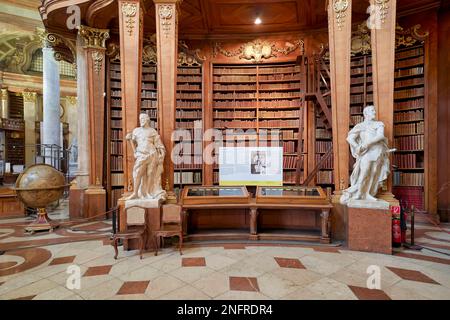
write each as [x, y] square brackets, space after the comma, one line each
[291, 194]
[214, 195]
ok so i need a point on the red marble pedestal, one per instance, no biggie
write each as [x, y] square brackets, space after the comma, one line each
[369, 230]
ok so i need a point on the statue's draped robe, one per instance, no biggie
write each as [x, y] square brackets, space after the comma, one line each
[377, 154]
[149, 155]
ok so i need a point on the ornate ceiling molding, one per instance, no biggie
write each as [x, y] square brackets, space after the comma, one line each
[93, 37]
[95, 11]
[72, 100]
[258, 50]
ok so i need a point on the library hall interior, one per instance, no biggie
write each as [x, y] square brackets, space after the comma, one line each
[224, 150]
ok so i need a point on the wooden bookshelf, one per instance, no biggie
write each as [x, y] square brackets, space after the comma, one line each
[189, 119]
[115, 134]
[252, 98]
[409, 125]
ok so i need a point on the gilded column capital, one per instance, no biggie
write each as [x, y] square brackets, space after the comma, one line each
[29, 96]
[4, 94]
[71, 100]
[93, 37]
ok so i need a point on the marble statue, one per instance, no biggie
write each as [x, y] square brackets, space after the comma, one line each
[149, 153]
[369, 146]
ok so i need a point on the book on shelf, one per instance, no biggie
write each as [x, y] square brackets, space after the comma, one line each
[354, 120]
[288, 146]
[409, 128]
[116, 134]
[323, 146]
[117, 179]
[409, 53]
[410, 104]
[189, 70]
[323, 134]
[116, 147]
[408, 178]
[187, 177]
[409, 62]
[325, 177]
[230, 87]
[407, 161]
[291, 177]
[280, 114]
[235, 124]
[189, 96]
[409, 93]
[328, 164]
[116, 162]
[416, 115]
[409, 143]
[289, 162]
[234, 114]
[189, 78]
[279, 123]
[234, 78]
[409, 72]
[279, 103]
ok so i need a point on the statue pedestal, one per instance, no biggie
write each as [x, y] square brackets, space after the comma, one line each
[153, 211]
[369, 226]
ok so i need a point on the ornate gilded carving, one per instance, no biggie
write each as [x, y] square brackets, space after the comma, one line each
[29, 96]
[361, 40]
[382, 9]
[113, 52]
[340, 7]
[129, 10]
[149, 54]
[71, 100]
[187, 57]
[409, 36]
[4, 94]
[97, 57]
[65, 49]
[259, 50]
[93, 37]
[165, 15]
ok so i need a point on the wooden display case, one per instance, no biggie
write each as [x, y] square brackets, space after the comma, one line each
[291, 195]
[214, 195]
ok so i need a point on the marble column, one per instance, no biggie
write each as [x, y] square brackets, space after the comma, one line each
[339, 32]
[4, 103]
[131, 44]
[29, 117]
[72, 120]
[167, 50]
[82, 179]
[51, 127]
[383, 62]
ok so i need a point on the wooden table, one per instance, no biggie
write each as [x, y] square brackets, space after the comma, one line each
[253, 221]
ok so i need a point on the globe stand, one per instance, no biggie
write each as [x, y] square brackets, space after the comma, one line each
[42, 223]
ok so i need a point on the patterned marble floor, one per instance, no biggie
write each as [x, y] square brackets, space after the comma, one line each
[37, 267]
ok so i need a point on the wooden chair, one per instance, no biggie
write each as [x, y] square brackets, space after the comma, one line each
[136, 218]
[171, 225]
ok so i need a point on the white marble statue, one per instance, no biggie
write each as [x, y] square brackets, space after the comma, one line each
[149, 155]
[369, 146]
